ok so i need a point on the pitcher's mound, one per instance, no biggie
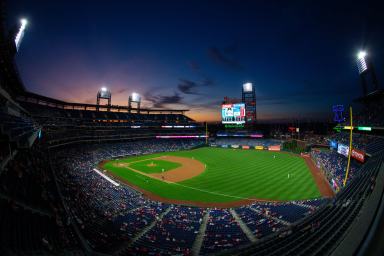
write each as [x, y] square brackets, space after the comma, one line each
[151, 164]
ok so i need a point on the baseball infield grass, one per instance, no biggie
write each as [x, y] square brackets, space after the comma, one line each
[154, 166]
[230, 175]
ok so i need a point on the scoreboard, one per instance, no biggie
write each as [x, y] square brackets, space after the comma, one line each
[233, 113]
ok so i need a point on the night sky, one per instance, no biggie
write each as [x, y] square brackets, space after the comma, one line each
[300, 55]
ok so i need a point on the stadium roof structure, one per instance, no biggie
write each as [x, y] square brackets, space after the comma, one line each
[47, 101]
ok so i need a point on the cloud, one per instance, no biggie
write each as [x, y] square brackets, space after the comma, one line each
[210, 104]
[122, 90]
[188, 87]
[160, 101]
[220, 58]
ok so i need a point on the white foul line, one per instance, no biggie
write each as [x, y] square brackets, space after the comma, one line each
[106, 177]
[211, 192]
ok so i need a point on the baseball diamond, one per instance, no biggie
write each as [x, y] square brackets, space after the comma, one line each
[217, 176]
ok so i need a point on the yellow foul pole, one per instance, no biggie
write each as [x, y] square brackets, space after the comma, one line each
[350, 147]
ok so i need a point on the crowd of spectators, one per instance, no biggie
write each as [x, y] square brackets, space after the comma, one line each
[19, 129]
[222, 232]
[371, 116]
[364, 142]
[32, 217]
[314, 139]
[120, 219]
[53, 116]
[110, 215]
[334, 165]
[359, 141]
[174, 234]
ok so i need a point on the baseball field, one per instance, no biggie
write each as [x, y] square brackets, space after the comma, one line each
[217, 176]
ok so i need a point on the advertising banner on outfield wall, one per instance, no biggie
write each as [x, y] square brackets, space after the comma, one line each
[224, 146]
[245, 147]
[274, 148]
[235, 146]
[358, 155]
[259, 147]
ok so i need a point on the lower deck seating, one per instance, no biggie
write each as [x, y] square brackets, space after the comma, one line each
[223, 232]
[23, 232]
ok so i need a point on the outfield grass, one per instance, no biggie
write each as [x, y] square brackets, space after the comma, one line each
[231, 175]
[154, 166]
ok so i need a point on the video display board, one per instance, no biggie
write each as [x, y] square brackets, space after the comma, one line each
[233, 113]
[343, 150]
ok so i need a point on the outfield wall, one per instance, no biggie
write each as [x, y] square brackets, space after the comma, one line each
[247, 147]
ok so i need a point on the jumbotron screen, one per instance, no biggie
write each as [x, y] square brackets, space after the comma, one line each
[233, 113]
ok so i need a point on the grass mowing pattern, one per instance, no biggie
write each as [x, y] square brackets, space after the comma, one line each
[159, 165]
[231, 175]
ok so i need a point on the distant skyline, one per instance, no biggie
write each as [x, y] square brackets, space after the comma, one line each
[300, 55]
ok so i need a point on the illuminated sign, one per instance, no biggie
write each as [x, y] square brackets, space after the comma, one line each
[333, 144]
[360, 128]
[234, 126]
[364, 128]
[343, 149]
[259, 147]
[256, 136]
[233, 113]
[177, 126]
[180, 136]
[338, 111]
[274, 148]
[337, 128]
[358, 155]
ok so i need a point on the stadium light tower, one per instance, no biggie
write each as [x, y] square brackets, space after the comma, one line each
[249, 98]
[134, 98]
[103, 93]
[20, 33]
[366, 72]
